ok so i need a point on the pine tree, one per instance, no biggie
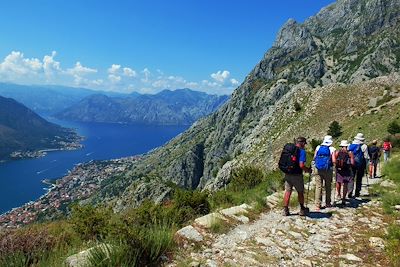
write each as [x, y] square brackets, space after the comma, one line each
[335, 129]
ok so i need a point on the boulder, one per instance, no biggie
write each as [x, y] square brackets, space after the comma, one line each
[190, 233]
[376, 242]
[208, 220]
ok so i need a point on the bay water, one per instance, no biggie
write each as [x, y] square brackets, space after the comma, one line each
[21, 180]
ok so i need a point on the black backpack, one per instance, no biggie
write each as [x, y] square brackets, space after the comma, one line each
[343, 161]
[289, 160]
[373, 152]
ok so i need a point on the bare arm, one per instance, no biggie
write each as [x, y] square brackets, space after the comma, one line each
[352, 161]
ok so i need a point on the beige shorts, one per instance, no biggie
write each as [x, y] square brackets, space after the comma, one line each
[294, 180]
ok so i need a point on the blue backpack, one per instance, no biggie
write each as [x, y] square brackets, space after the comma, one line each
[323, 159]
[358, 154]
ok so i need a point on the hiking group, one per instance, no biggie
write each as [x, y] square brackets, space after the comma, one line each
[348, 164]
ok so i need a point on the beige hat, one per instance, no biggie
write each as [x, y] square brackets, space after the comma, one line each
[359, 139]
[344, 143]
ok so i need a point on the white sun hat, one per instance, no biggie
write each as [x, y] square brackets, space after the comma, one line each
[344, 143]
[359, 139]
[327, 141]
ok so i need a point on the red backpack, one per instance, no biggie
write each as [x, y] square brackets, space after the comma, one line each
[386, 146]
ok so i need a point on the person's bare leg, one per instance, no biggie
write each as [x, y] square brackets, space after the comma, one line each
[286, 198]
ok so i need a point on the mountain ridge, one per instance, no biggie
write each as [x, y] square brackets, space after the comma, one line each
[177, 107]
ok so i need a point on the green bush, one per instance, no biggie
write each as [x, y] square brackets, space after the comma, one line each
[246, 177]
[314, 143]
[297, 106]
[89, 222]
[335, 129]
[393, 128]
[393, 244]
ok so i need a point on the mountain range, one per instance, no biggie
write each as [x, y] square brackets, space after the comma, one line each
[332, 66]
[178, 107]
[341, 64]
[23, 130]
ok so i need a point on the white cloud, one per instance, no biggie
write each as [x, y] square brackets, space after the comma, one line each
[129, 72]
[114, 69]
[146, 72]
[17, 68]
[114, 78]
[234, 82]
[220, 76]
[15, 64]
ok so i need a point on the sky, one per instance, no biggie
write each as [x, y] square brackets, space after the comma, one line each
[142, 46]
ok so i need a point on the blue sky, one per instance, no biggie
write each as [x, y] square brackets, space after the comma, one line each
[143, 46]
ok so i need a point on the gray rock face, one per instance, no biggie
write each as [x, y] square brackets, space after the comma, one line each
[190, 233]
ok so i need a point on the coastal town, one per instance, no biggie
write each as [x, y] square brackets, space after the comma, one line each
[77, 185]
[72, 142]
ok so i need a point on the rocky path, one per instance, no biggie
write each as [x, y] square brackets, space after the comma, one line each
[338, 236]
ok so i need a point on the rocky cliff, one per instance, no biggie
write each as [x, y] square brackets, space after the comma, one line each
[330, 59]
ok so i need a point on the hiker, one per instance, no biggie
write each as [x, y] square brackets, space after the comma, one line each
[324, 158]
[360, 152]
[292, 163]
[344, 163]
[387, 147]
[374, 153]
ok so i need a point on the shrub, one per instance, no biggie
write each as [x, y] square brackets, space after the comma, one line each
[393, 128]
[335, 129]
[297, 106]
[246, 177]
[314, 143]
[393, 244]
[89, 222]
[26, 245]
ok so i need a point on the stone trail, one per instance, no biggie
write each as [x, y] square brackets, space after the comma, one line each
[338, 236]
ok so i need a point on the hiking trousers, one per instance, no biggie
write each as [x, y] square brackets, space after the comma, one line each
[358, 174]
[323, 177]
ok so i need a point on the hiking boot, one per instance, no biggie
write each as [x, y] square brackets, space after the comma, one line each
[285, 211]
[303, 211]
[329, 205]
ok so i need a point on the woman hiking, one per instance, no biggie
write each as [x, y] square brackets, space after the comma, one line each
[344, 163]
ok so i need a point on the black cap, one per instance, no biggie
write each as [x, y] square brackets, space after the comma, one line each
[301, 139]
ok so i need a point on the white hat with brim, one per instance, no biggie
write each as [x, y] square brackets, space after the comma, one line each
[344, 143]
[327, 141]
[359, 139]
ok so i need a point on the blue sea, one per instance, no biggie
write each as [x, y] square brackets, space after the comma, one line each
[20, 180]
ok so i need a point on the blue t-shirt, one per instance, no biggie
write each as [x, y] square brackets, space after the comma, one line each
[302, 156]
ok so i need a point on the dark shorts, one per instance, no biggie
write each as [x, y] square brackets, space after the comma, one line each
[343, 178]
[294, 180]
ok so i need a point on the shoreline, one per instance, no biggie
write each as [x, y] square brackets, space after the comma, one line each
[80, 183]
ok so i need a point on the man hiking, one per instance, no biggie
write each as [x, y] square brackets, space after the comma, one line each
[324, 158]
[360, 152]
[292, 163]
[344, 163]
[374, 155]
[387, 147]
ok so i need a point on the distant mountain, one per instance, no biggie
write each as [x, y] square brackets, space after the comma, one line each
[46, 99]
[23, 130]
[178, 107]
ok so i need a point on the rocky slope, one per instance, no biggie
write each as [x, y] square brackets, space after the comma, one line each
[23, 130]
[178, 107]
[321, 64]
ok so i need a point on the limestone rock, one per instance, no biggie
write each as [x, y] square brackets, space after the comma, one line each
[350, 257]
[208, 220]
[377, 242]
[190, 233]
[81, 259]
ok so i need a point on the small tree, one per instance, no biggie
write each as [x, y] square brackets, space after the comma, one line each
[335, 129]
[297, 106]
[393, 128]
